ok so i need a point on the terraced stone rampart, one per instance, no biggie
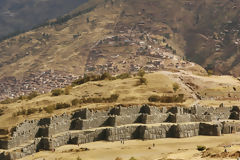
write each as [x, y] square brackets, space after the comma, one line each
[115, 124]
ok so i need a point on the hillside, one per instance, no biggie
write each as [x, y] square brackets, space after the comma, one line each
[206, 32]
[18, 16]
[202, 90]
[124, 36]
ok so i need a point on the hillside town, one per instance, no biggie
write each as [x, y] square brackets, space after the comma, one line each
[41, 82]
[111, 54]
[146, 53]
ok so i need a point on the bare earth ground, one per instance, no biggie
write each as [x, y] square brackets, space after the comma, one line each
[165, 149]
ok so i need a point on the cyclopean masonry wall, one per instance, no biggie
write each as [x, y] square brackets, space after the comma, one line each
[114, 124]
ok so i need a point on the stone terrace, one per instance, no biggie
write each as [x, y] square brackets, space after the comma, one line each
[115, 124]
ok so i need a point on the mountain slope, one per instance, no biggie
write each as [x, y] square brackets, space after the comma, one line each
[100, 30]
[17, 16]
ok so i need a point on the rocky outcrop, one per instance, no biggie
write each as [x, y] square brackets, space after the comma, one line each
[115, 124]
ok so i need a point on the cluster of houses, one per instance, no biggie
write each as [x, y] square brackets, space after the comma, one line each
[143, 52]
[127, 52]
[230, 29]
[41, 82]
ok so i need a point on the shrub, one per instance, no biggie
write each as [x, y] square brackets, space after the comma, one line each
[1, 112]
[22, 97]
[106, 75]
[62, 105]
[175, 87]
[8, 101]
[201, 148]
[57, 92]
[167, 35]
[32, 95]
[26, 112]
[154, 98]
[112, 98]
[167, 99]
[32, 111]
[93, 77]
[141, 73]
[210, 72]
[132, 158]
[118, 158]
[67, 90]
[142, 81]
[49, 109]
[76, 102]
[79, 158]
[123, 76]
[173, 99]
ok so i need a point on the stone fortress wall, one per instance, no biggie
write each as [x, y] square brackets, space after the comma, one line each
[114, 124]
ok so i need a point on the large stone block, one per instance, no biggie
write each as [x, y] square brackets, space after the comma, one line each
[122, 133]
[210, 129]
[184, 130]
[126, 119]
[154, 131]
[179, 118]
[156, 118]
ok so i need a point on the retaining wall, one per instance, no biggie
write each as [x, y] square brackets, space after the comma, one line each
[114, 124]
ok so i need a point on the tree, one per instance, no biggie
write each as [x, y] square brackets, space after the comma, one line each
[175, 87]
[141, 73]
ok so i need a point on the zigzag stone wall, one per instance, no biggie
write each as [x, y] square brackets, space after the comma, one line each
[114, 124]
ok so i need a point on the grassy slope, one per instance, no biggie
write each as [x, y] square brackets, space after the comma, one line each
[159, 83]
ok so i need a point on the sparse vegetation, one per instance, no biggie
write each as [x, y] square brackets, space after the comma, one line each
[1, 112]
[75, 102]
[79, 158]
[57, 92]
[32, 95]
[27, 111]
[28, 97]
[123, 76]
[8, 101]
[111, 99]
[201, 148]
[22, 97]
[167, 35]
[104, 76]
[132, 158]
[167, 99]
[67, 90]
[49, 109]
[142, 81]
[210, 72]
[141, 73]
[66, 18]
[62, 105]
[154, 98]
[92, 77]
[175, 87]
